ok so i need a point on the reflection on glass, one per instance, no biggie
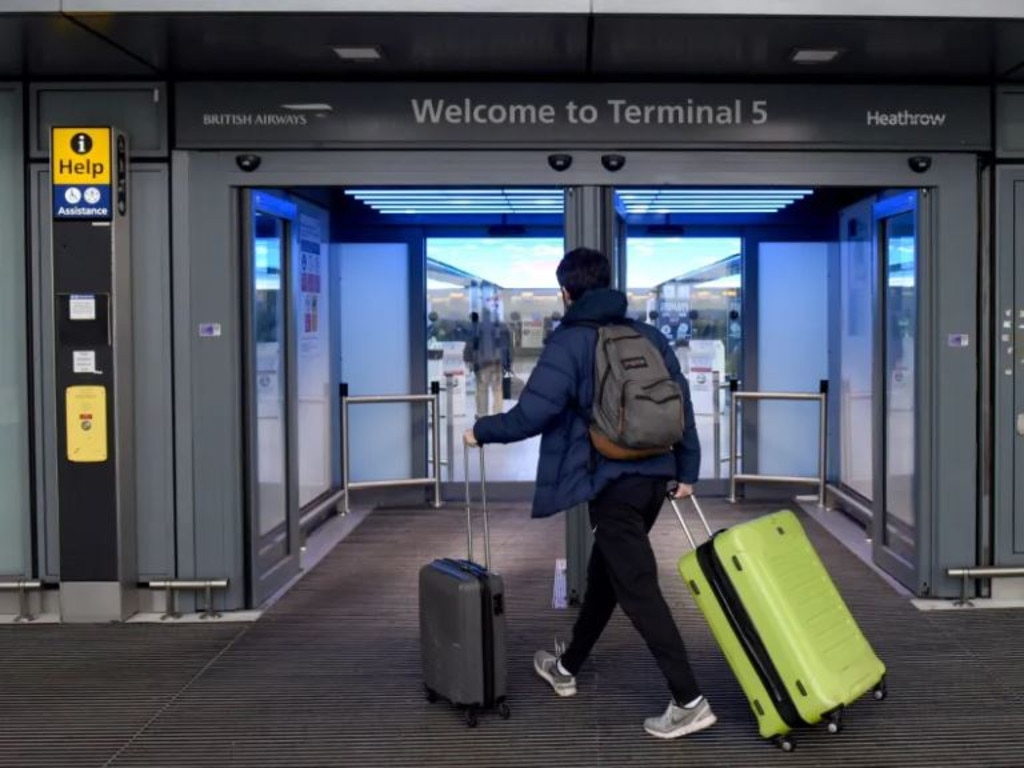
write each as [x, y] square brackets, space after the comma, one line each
[491, 304]
[691, 289]
[271, 385]
[901, 331]
[856, 341]
[312, 337]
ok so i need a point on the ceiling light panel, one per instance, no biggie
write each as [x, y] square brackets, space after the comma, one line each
[551, 201]
[815, 55]
[359, 52]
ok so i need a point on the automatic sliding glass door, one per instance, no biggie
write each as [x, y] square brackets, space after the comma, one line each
[270, 424]
[895, 523]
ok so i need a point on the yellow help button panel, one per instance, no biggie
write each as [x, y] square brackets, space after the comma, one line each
[80, 156]
[87, 424]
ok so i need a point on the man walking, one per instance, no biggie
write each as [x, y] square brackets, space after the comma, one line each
[489, 352]
[624, 496]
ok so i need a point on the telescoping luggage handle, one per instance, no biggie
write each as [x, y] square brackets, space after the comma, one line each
[682, 522]
[483, 504]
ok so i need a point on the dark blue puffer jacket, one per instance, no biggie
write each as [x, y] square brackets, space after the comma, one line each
[568, 472]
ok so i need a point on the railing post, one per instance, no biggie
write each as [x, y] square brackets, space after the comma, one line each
[22, 587]
[823, 442]
[432, 415]
[209, 612]
[435, 436]
[733, 400]
[449, 383]
[171, 607]
[716, 421]
[343, 394]
[24, 609]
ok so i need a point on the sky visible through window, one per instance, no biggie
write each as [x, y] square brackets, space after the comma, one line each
[530, 262]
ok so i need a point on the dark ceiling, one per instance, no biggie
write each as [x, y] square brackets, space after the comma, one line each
[467, 46]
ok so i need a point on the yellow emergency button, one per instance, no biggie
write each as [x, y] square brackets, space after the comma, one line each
[86, 421]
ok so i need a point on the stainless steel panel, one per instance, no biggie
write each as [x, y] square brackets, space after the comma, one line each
[138, 109]
[154, 440]
[982, 9]
[333, 6]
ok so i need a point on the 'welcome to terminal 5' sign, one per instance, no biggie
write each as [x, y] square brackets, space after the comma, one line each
[499, 115]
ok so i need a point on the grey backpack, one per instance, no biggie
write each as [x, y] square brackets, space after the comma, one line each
[638, 406]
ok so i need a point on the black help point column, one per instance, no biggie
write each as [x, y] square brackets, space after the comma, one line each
[93, 364]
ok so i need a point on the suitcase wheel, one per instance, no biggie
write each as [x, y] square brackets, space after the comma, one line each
[431, 694]
[835, 722]
[784, 743]
[880, 691]
[471, 720]
[504, 711]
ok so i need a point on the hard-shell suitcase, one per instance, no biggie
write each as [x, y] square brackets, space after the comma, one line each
[462, 625]
[782, 625]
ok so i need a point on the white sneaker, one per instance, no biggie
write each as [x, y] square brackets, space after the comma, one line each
[546, 665]
[680, 721]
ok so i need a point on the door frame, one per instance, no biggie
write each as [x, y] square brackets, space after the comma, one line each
[1001, 542]
[918, 203]
[272, 558]
[208, 382]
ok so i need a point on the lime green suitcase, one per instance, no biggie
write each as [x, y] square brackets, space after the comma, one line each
[782, 625]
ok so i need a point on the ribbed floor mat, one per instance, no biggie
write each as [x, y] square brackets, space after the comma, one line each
[330, 677]
[75, 695]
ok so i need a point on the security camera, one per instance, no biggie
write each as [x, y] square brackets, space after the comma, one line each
[559, 162]
[613, 163]
[248, 163]
[920, 164]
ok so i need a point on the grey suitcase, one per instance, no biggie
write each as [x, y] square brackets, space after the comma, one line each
[462, 625]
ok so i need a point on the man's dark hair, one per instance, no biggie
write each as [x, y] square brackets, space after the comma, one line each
[582, 270]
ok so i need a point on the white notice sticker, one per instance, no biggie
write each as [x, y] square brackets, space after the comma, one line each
[82, 307]
[85, 362]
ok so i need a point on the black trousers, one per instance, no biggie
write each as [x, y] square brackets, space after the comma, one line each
[623, 571]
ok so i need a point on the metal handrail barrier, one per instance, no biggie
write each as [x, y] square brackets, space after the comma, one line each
[434, 400]
[821, 397]
[449, 419]
[980, 572]
[435, 389]
[716, 420]
[449, 397]
[22, 587]
[172, 586]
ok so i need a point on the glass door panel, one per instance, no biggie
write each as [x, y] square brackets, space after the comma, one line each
[492, 300]
[857, 300]
[894, 518]
[899, 245]
[268, 299]
[269, 365]
[691, 289]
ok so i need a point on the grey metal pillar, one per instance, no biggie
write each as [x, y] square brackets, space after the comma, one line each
[592, 221]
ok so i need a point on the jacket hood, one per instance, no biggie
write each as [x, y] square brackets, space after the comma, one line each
[601, 305]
